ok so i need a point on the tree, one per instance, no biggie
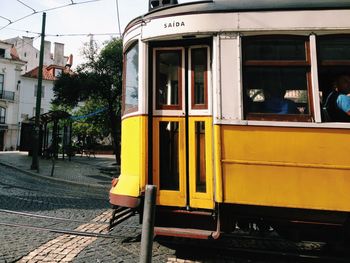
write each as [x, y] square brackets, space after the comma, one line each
[99, 79]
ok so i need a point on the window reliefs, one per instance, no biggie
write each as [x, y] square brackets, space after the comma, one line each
[276, 78]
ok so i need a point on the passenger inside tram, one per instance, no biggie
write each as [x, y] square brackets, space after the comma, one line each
[337, 105]
[275, 102]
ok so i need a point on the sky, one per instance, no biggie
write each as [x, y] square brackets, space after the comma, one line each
[99, 17]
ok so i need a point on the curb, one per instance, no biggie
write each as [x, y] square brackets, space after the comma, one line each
[51, 178]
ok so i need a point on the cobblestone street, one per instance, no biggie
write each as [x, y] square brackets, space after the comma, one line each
[36, 210]
[89, 208]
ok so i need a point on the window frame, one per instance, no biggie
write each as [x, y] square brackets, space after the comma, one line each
[42, 90]
[2, 115]
[285, 64]
[203, 106]
[134, 108]
[333, 62]
[180, 54]
[2, 82]
[329, 64]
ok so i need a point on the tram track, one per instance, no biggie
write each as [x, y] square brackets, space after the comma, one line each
[255, 249]
[101, 226]
[46, 217]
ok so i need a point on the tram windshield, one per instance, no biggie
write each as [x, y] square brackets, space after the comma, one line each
[131, 82]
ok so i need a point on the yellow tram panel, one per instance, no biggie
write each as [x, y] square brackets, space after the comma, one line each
[218, 188]
[134, 167]
[286, 167]
[202, 199]
[170, 197]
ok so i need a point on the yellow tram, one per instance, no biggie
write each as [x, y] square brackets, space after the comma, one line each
[198, 78]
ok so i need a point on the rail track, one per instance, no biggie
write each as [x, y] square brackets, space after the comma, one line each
[254, 249]
[104, 225]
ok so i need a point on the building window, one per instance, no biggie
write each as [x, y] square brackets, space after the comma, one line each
[1, 83]
[2, 53]
[131, 83]
[58, 72]
[276, 78]
[333, 55]
[2, 115]
[42, 91]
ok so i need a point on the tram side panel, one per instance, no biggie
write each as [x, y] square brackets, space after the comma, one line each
[286, 167]
[133, 163]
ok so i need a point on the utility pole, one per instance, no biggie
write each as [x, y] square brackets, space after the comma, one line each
[35, 160]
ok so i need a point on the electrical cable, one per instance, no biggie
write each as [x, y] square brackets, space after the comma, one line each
[45, 10]
[82, 34]
[26, 5]
[67, 34]
[6, 19]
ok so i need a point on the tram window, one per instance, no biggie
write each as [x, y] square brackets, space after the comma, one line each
[200, 157]
[275, 49]
[199, 77]
[276, 80]
[333, 52]
[168, 79]
[169, 155]
[131, 82]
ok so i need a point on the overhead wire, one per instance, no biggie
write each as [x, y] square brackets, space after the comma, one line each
[44, 10]
[25, 31]
[19, 1]
[6, 19]
[66, 34]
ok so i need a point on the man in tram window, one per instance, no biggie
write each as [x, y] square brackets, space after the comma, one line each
[275, 102]
[337, 106]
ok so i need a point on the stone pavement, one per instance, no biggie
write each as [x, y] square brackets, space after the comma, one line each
[92, 171]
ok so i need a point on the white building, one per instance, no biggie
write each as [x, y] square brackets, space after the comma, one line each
[28, 89]
[19, 105]
[10, 80]
[27, 52]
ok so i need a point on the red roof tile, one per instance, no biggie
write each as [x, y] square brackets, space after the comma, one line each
[47, 74]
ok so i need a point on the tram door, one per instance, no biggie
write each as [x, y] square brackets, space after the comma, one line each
[182, 127]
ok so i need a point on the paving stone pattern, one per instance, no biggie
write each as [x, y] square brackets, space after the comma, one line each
[66, 247]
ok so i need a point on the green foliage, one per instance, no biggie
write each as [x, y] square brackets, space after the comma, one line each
[96, 126]
[98, 83]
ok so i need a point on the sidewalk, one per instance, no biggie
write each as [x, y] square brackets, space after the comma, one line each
[82, 170]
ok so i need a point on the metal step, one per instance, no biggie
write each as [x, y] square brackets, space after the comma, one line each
[184, 232]
[198, 224]
[119, 215]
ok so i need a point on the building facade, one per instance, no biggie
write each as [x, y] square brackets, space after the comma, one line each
[27, 52]
[10, 81]
[19, 61]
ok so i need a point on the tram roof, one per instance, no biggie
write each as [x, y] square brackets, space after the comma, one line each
[242, 6]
